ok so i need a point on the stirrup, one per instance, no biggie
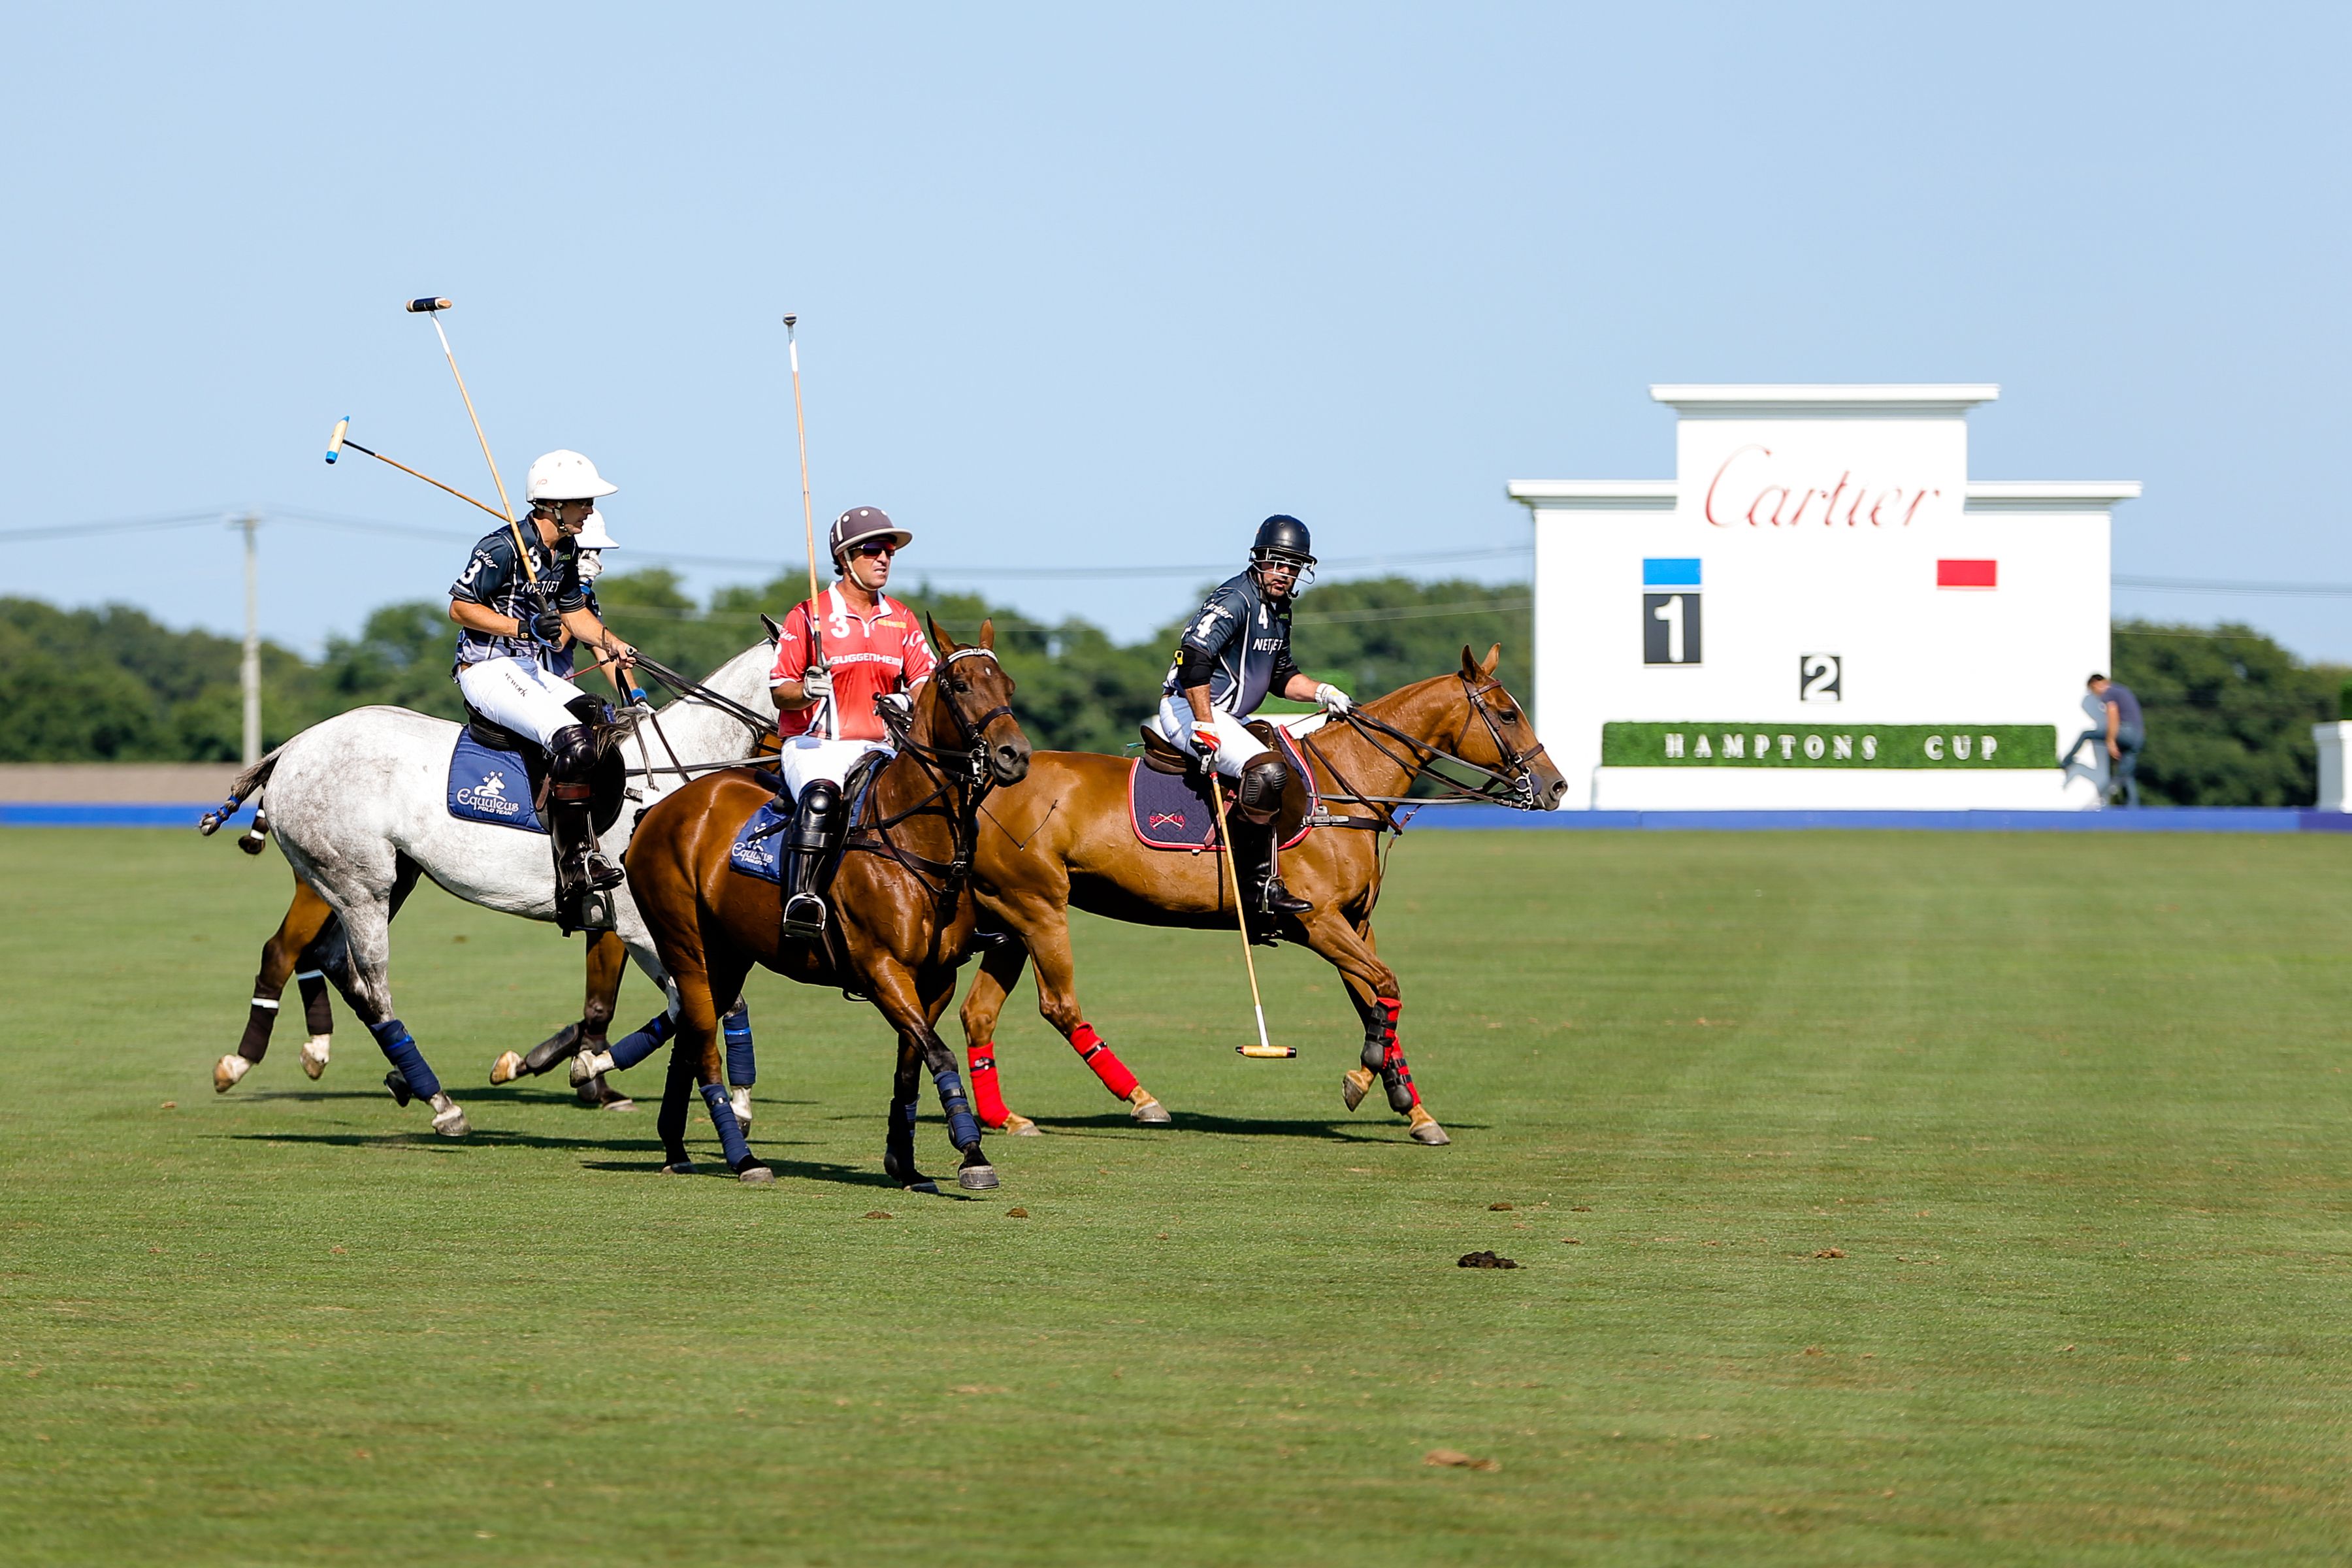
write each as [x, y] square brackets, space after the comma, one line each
[600, 873]
[804, 916]
[1273, 898]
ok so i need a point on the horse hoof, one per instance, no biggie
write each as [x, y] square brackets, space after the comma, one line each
[1354, 1084]
[1150, 1112]
[315, 1051]
[401, 1093]
[449, 1118]
[608, 1100]
[507, 1068]
[922, 1184]
[755, 1174]
[976, 1178]
[679, 1168]
[738, 1101]
[1020, 1126]
[1425, 1130]
[227, 1070]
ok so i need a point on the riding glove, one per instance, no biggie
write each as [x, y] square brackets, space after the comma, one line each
[816, 684]
[1331, 699]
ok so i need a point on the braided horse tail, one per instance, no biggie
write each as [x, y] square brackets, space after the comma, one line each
[247, 782]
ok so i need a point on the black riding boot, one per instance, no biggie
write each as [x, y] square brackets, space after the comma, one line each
[582, 874]
[809, 846]
[1262, 877]
[1263, 784]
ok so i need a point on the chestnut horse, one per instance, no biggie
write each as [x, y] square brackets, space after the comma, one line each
[1064, 839]
[903, 914]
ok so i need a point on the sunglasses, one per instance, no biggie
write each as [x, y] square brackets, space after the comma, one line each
[873, 547]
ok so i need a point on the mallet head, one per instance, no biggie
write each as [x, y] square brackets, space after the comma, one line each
[425, 306]
[789, 321]
[335, 441]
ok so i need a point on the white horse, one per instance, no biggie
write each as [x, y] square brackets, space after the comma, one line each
[359, 805]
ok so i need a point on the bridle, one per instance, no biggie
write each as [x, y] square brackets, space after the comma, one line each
[1512, 784]
[963, 771]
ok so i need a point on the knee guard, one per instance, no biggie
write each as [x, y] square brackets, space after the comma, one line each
[571, 754]
[816, 822]
[1262, 781]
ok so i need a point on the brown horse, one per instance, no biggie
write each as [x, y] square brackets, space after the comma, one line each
[1064, 839]
[902, 908]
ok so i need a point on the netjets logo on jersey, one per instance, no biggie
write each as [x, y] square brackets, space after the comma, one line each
[490, 795]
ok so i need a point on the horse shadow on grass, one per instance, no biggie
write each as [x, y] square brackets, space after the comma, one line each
[1328, 1129]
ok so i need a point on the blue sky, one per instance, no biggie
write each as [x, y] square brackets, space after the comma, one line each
[1101, 286]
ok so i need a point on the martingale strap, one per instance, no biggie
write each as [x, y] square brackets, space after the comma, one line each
[1511, 784]
[952, 772]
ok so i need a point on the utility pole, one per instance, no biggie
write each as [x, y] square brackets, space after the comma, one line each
[249, 672]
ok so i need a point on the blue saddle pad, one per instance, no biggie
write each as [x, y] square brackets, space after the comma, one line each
[759, 846]
[490, 787]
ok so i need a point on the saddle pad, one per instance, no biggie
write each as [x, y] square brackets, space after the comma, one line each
[490, 787]
[759, 846]
[1168, 812]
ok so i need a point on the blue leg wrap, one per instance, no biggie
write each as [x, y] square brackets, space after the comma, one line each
[723, 1116]
[963, 1130]
[402, 1052]
[737, 1026]
[631, 1049]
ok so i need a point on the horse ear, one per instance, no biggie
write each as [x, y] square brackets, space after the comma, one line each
[775, 632]
[1469, 665]
[988, 634]
[1493, 656]
[939, 639]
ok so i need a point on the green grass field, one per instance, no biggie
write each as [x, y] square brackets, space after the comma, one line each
[2073, 1109]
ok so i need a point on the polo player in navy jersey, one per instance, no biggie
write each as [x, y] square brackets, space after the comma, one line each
[1234, 654]
[513, 662]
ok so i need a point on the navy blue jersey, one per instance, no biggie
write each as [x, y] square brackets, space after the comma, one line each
[493, 579]
[1244, 639]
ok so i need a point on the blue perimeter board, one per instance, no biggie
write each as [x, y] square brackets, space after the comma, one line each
[2150, 819]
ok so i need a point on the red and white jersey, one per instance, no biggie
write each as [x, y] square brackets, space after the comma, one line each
[869, 653]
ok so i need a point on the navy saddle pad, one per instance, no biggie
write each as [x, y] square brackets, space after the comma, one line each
[1170, 812]
[759, 846]
[490, 787]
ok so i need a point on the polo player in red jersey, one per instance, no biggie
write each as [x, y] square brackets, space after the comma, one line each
[872, 648]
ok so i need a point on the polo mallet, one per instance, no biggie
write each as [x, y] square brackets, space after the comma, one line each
[808, 509]
[1262, 1051]
[431, 309]
[340, 442]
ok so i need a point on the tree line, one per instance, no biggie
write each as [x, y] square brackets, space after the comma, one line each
[2229, 710]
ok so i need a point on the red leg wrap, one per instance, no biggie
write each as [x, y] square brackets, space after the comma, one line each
[1097, 1056]
[987, 1098]
[1394, 1054]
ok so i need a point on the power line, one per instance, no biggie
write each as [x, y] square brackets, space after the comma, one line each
[2210, 585]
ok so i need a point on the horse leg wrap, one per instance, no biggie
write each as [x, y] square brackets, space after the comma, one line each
[258, 1020]
[1386, 1057]
[315, 1012]
[735, 1023]
[723, 1116]
[985, 1089]
[400, 1049]
[631, 1049]
[962, 1131]
[898, 1144]
[1097, 1056]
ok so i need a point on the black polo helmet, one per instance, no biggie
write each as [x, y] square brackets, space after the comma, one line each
[1282, 538]
[860, 523]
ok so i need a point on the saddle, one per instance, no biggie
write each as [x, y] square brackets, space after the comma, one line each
[608, 784]
[1169, 814]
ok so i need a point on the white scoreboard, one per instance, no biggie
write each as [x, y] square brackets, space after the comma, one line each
[1821, 610]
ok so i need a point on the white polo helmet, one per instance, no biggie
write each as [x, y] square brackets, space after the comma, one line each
[564, 475]
[593, 535]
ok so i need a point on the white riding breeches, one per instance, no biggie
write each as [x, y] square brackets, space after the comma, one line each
[1235, 745]
[807, 758]
[520, 696]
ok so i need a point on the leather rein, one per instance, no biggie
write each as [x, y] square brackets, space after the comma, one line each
[952, 770]
[1512, 784]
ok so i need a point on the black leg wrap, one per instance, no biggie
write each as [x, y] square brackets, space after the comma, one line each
[316, 1012]
[558, 1047]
